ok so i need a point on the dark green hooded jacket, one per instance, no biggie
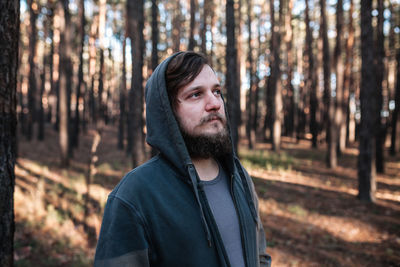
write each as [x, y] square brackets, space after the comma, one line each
[158, 215]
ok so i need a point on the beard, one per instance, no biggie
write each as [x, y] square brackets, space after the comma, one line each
[207, 145]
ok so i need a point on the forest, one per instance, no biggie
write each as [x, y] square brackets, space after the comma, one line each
[312, 91]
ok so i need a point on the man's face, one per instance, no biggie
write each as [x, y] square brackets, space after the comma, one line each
[200, 109]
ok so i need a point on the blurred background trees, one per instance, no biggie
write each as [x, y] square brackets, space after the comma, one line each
[324, 72]
[86, 63]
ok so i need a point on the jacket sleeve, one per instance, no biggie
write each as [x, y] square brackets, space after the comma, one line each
[264, 258]
[122, 241]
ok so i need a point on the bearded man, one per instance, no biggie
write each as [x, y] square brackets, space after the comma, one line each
[193, 204]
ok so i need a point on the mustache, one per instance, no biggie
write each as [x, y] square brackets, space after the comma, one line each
[211, 117]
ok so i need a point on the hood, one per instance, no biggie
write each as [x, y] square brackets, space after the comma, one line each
[163, 133]
[162, 128]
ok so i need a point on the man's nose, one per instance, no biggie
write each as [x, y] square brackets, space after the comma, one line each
[214, 102]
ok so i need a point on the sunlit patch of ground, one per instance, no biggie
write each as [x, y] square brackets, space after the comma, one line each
[310, 213]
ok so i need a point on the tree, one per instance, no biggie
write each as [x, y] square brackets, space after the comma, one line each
[75, 133]
[102, 28]
[339, 138]
[380, 128]
[135, 12]
[250, 127]
[45, 59]
[348, 80]
[122, 98]
[233, 91]
[396, 111]
[193, 7]
[274, 87]
[33, 13]
[290, 119]
[65, 85]
[154, 34]
[366, 157]
[176, 27]
[311, 82]
[331, 158]
[9, 38]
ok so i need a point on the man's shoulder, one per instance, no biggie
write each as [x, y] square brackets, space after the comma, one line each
[144, 178]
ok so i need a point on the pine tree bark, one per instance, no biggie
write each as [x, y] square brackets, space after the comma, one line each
[122, 99]
[366, 158]
[176, 27]
[193, 7]
[274, 85]
[92, 68]
[380, 128]
[348, 80]
[250, 129]
[40, 118]
[79, 87]
[102, 28]
[32, 98]
[396, 112]
[331, 158]
[9, 37]
[154, 34]
[135, 10]
[233, 92]
[311, 82]
[65, 86]
[340, 106]
[206, 14]
[290, 120]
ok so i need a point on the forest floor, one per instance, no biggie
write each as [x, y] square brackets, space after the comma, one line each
[311, 214]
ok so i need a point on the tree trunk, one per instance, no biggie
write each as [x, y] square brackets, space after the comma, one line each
[348, 81]
[51, 62]
[176, 27]
[233, 92]
[9, 37]
[250, 131]
[396, 111]
[65, 86]
[311, 82]
[154, 34]
[102, 28]
[154, 41]
[339, 120]
[274, 88]
[75, 133]
[366, 161]
[193, 7]
[329, 108]
[40, 135]
[135, 10]
[380, 127]
[92, 68]
[33, 13]
[206, 14]
[122, 99]
[290, 120]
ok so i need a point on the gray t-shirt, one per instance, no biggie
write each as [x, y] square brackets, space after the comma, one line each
[221, 203]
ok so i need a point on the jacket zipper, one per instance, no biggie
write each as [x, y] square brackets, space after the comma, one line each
[218, 237]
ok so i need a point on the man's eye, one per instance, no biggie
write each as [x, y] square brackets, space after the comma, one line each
[195, 95]
[217, 92]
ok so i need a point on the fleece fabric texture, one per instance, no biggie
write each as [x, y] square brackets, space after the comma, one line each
[158, 215]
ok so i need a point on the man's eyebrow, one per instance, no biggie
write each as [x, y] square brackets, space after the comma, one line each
[201, 87]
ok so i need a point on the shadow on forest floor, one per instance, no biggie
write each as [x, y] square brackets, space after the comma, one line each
[310, 213]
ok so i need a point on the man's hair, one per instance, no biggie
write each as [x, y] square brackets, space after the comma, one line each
[181, 71]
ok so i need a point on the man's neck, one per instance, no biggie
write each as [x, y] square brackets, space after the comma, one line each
[207, 168]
